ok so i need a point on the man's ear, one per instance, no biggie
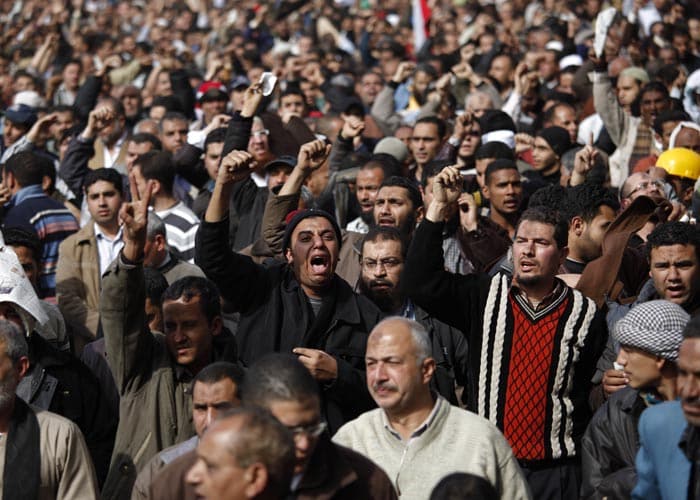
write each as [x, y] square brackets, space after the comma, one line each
[160, 243]
[420, 213]
[428, 369]
[485, 191]
[216, 325]
[8, 179]
[256, 478]
[22, 367]
[577, 225]
[156, 189]
[288, 255]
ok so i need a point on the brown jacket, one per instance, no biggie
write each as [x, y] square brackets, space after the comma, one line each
[169, 483]
[78, 284]
[156, 403]
[339, 473]
[335, 472]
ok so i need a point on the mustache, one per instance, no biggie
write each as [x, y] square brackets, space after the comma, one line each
[692, 401]
[380, 282]
[384, 385]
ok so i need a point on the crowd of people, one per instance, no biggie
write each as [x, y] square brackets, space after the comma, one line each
[350, 249]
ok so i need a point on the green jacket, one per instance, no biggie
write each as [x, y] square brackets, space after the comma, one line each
[156, 404]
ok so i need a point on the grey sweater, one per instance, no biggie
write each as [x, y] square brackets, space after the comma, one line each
[451, 440]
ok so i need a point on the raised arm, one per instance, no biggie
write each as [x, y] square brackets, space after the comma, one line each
[128, 342]
[242, 282]
[606, 105]
[425, 279]
[74, 166]
[311, 156]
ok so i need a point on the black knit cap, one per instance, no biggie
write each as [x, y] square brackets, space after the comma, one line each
[295, 217]
[557, 138]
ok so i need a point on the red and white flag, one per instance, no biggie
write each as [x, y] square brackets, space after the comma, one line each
[420, 16]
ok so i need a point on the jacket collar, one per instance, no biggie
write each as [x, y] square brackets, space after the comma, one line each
[327, 472]
[346, 310]
[86, 234]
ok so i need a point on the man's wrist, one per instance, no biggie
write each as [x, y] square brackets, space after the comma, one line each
[436, 211]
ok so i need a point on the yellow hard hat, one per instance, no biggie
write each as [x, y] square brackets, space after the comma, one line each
[681, 162]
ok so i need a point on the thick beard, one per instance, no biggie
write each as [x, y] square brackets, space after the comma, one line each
[406, 229]
[367, 217]
[386, 302]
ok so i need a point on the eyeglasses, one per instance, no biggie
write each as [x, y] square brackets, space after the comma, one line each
[388, 263]
[311, 430]
[259, 133]
[645, 185]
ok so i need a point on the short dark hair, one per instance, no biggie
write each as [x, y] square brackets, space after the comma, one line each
[390, 165]
[218, 371]
[62, 108]
[461, 485]
[169, 102]
[104, 174]
[72, 61]
[278, 377]
[494, 149]
[156, 285]
[293, 90]
[172, 116]
[20, 237]
[439, 123]
[158, 165]
[654, 86]
[669, 115]
[384, 233]
[496, 165]
[550, 196]
[585, 201]
[190, 287]
[215, 136]
[144, 137]
[408, 185]
[673, 233]
[28, 168]
[549, 216]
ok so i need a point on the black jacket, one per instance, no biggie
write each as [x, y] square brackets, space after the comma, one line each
[276, 317]
[451, 356]
[609, 447]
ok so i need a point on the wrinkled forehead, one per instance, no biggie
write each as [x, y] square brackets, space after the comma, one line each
[529, 229]
[314, 225]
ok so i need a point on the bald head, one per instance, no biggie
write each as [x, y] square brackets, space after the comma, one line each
[641, 184]
[254, 454]
[399, 367]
